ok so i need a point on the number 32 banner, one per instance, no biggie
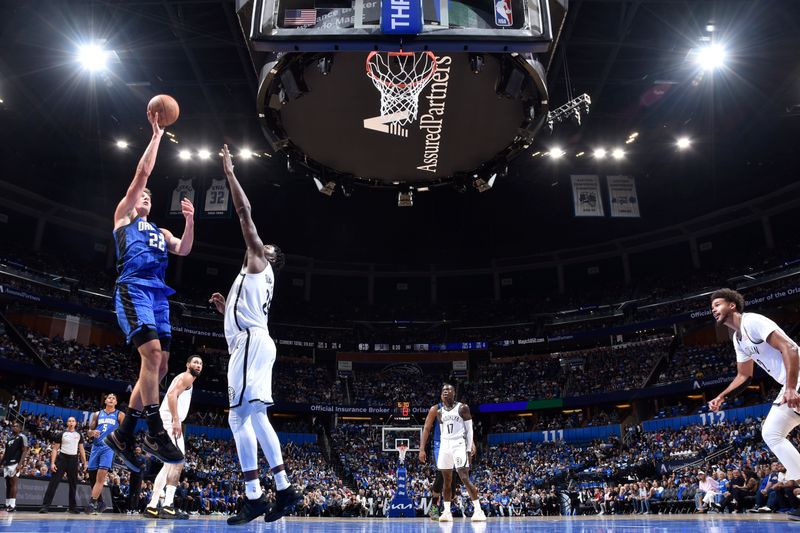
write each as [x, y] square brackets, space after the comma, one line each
[217, 199]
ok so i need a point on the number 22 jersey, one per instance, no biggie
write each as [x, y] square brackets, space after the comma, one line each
[141, 255]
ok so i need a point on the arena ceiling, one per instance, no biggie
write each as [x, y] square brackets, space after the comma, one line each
[634, 58]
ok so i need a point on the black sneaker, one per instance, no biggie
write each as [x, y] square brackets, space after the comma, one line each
[91, 507]
[70, 511]
[794, 514]
[152, 512]
[10, 509]
[162, 447]
[251, 509]
[44, 510]
[123, 446]
[181, 515]
[286, 499]
[168, 513]
[101, 506]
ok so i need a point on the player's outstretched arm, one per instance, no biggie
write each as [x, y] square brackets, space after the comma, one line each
[257, 259]
[143, 170]
[744, 373]
[426, 432]
[183, 245]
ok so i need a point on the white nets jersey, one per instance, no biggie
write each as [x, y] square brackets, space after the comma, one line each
[217, 197]
[451, 425]
[184, 400]
[183, 190]
[247, 305]
[754, 331]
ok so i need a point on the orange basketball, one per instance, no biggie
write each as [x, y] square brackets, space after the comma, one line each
[166, 107]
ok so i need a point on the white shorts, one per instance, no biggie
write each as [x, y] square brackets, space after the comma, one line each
[10, 471]
[166, 419]
[452, 455]
[250, 368]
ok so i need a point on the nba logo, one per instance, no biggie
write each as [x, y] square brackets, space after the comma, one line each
[502, 13]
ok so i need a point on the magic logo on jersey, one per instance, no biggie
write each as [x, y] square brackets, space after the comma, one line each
[503, 16]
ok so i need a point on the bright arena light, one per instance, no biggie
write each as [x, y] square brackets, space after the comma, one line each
[683, 143]
[245, 153]
[557, 153]
[93, 57]
[122, 144]
[711, 57]
[204, 154]
[600, 153]
[618, 153]
[185, 155]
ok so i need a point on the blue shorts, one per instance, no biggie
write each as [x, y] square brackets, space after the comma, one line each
[102, 456]
[138, 308]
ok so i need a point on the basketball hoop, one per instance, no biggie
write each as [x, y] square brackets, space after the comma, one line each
[400, 77]
[402, 451]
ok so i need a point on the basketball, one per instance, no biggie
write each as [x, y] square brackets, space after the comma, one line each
[166, 107]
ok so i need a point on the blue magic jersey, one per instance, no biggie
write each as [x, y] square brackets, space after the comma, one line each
[141, 255]
[106, 423]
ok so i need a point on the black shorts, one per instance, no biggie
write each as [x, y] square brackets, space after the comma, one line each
[439, 482]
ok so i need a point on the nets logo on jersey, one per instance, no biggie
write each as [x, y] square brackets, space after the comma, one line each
[231, 394]
[503, 16]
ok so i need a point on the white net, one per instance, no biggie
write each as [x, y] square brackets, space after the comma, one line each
[400, 77]
[402, 451]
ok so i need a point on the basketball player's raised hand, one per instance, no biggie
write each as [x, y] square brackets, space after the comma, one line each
[422, 456]
[187, 209]
[218, 301]
[227, 162]
[152, 118]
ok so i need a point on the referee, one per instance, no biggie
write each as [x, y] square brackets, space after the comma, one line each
[64, 460]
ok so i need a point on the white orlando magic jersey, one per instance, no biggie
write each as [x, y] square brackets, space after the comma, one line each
[247, 305]
[451, 424]
[753, 345]
[184, 400]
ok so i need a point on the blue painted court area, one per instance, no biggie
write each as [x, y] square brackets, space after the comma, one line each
[56, 523]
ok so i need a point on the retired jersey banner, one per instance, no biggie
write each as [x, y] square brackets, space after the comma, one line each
[622, 196]
[586, 196]
[185, 189]
[217, 198]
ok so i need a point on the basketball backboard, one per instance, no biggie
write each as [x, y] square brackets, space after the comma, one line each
[393, 437]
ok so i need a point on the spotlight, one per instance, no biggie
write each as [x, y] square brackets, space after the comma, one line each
[185, 155]
[484, 185]
[711, 57]
[557, 153]
[683, 143]
[600, 153]
[326, 189]
[617, 153]
[122, 144]
[245, 153]
[405, 198]
[203, 154]
[93, 57]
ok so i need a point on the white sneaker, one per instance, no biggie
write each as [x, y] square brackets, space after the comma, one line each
[446, 517]
[478, 516]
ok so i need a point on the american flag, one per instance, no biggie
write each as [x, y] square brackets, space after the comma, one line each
[300, 17]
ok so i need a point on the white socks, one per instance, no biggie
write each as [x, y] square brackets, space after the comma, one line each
[281, 480]
[11, 502]
[446, 507]
[476, 504]
[252, 489]
[170, 495]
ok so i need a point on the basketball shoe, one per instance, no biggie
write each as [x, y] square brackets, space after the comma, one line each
[478, 515]
[446, 516]
[123, 445]
[160, 445]
[285, 500]
[251, 509]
